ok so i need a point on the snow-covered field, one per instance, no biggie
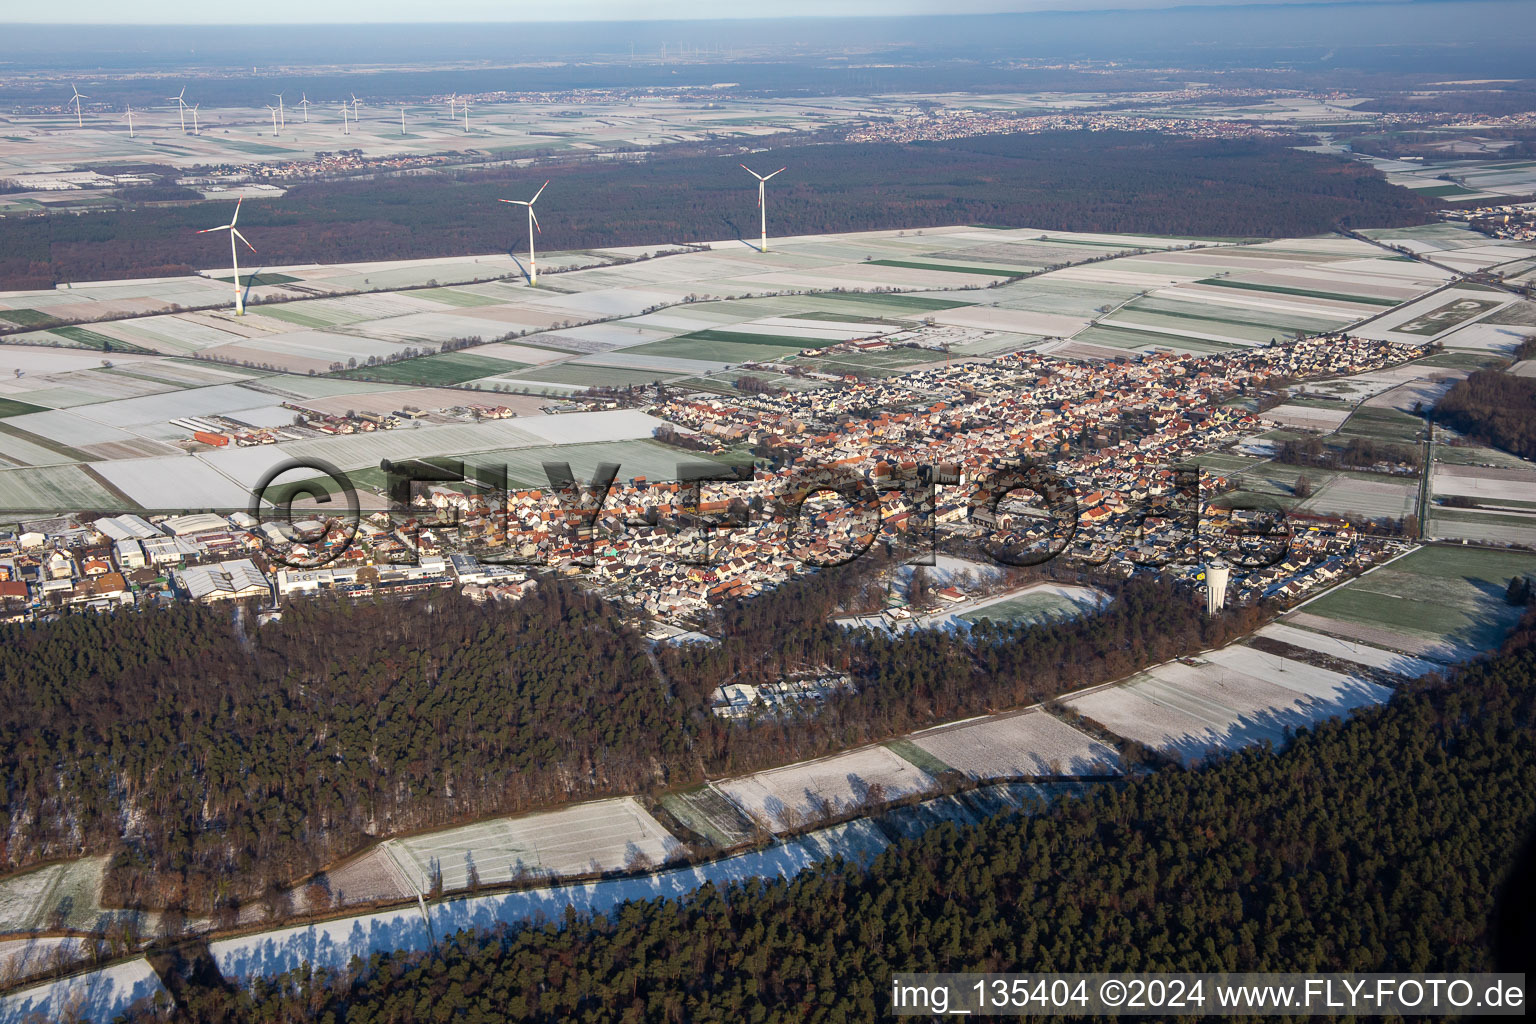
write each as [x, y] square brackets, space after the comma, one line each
[334, 943]
[1031, 743]
[792, 796]
[99, 996]
[1228, 699]
[604, 835]
[1350, 650]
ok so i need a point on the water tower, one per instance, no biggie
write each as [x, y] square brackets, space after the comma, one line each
[1216, 575]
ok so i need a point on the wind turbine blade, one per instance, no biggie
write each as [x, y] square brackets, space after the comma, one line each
[535, 219]
[538, 193]
[750, 171]
[242, 238]
[781, 170]
[221, 227]
[514, 202]
[237, 212]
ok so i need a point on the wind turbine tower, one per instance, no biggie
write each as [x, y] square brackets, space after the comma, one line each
[282, 115]
[274, 119]
[533, 225]
[75, 99]
[762, 206]
[355, 104]
[344, 120]
[304, 106]
[181, 107]
[402, 122]
[466, 115]
[234, 260]
[197, 129]
[130, 120]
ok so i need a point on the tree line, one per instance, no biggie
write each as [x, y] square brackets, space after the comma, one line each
[1494, 408]
[214, 763]
[1396, 840]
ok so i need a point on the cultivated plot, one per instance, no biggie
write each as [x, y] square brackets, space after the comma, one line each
[589, 838]
[786, 798]
[1224, 700]
[1027, 744]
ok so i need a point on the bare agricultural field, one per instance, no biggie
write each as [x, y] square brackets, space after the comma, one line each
[1193, 711]
[1309, 417]
[1377, 636]
[1486, 483]
[603, 835]
[1350, 650]
[1374, 498]
[1027, 744]
[374, 876]
[54, 487]
[786, 798]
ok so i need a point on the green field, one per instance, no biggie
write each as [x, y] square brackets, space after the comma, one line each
[725, 346]
[842, 318]
[892, 302]
[1382, 425]
[90, 339]
[11, 407]
[589, 375]
[436, 371]
[1450, 593]
[289, 315]
[28, 317]
[1307, 292]
[455, 297]
[916, 755]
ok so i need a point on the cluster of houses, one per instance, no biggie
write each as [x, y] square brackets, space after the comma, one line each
[1112, 433]
[894, 461]
[112, 561]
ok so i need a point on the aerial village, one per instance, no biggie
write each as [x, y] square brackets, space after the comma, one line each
[922, 445]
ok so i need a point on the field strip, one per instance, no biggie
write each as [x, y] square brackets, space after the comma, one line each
[398, 869]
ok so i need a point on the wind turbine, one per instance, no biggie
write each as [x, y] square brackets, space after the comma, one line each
[355, 104]
[762, 180]
[533, 225]
[75, 99]
[197, 129]
[282, 115]
[344, 120]
[466, 115]
[234, 260]
[453, 101]
[304, 104]
[402, 122]
[274, 119]
[130, 120]
[181, 107]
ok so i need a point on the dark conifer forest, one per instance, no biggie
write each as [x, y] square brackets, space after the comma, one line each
[1385, 842]
[213, 761]
[1068, 181]
[1495, 408]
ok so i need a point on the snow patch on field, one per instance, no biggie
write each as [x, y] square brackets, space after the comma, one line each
[1024, 745]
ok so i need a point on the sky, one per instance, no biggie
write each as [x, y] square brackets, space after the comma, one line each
[191, 12]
